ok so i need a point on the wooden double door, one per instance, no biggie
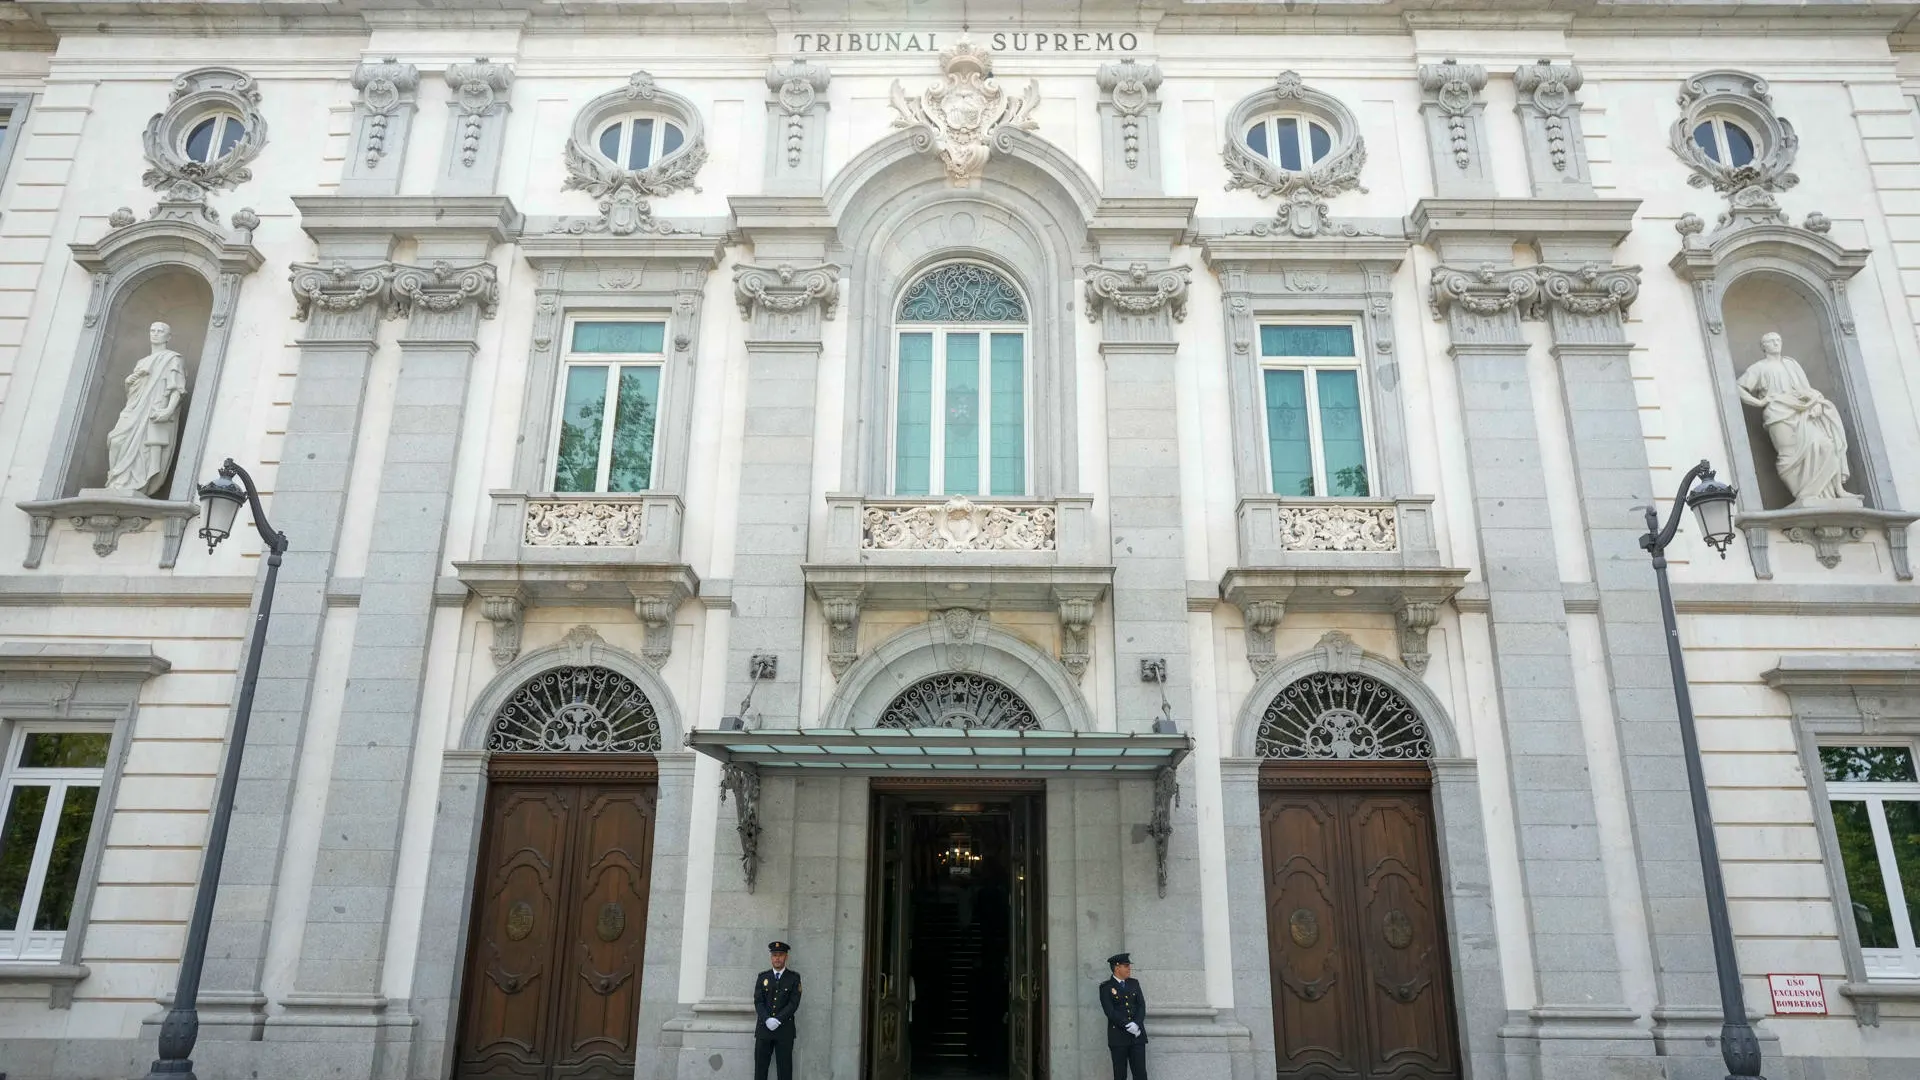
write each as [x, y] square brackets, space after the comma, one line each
[1357, 941]
[559, 929]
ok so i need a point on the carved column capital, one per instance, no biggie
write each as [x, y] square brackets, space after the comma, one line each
[507, 613]
[1416, 619]
[842, 611]
[337, 287]
[655, 610]
[1137, 303]
[786, 303]
[1587, 304]
[444, 289]
[1262, 619]
[1076, 631]
[1488, 294]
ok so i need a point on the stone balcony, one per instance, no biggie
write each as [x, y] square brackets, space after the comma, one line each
[595, 550]
[1306, 554]
[929, 554]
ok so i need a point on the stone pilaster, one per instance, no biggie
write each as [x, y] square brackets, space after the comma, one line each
[796, 127]
[1580, 1013]
[1130, 127]
[339, 302]
[1456, 131]
[476, 127]
[382, 120]
[1550, 128]
[1585, 307]
[338, 982]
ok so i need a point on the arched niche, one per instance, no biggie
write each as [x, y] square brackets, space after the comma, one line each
[900, 215]
[957, 641]
[178, 267]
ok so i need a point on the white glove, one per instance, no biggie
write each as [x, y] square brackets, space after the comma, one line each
[773, 1023]
[1133, 1029]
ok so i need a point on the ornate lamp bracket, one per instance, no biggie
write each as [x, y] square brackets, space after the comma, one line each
[1166, 796]
[743, 781]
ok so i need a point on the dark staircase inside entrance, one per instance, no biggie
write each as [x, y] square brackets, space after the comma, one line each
[951, 996]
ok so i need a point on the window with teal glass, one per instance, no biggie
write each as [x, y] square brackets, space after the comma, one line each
[960, 422]
[1874, 795]
[49, 793]
[609, 406]
[1315, 411]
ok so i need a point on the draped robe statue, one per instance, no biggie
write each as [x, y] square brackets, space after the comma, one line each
[140, 447]
[1809, 443]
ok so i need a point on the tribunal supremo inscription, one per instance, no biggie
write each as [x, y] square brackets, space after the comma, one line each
[1002, 41]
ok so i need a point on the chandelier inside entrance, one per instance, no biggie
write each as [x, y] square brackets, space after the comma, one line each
[576, 710]
[959, 700]
[1342, 717]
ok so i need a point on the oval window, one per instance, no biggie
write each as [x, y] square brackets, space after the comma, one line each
[638, 142]
[1291, 142]
[214, 138]
[1725, 142]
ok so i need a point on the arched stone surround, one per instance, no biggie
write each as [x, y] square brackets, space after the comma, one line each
[932, 649]
[439, 964]
[899, 215]
[1479, 997]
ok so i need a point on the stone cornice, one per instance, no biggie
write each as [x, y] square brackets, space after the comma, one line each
[1522, 220]
[113, 660]
[1821, 671]
[1218, 247]
[489, 219]
[703, 248]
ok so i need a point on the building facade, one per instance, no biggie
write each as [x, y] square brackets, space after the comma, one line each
[964, 494]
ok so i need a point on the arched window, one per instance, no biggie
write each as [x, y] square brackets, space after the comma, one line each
[636, 142]
[1291, 141]
[1724, 142]
[576, 710]
[214, 138]
[959, 700]
[960, 393]
[1342, 717]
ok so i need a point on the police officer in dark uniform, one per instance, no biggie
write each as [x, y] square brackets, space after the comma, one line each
[776, 998]
[1126, 1007]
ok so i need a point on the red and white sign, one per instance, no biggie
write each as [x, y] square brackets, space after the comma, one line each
[1797, 995]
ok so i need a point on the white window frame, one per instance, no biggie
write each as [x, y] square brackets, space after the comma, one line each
[625, 124]
[221, 121]
[615, 362]
[1271, 122]
[937, 438]
[21, 943]
[1902, 963]
[1312, 365]
[1722, 147]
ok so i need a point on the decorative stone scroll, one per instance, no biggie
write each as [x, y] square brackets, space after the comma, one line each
[1303, 192]
[1130, 86]
[1416, 619]
[478, 89]
[843, 631]
[1550, 126]
[959, 524]
[1534, 292]
[507, 615]
[1333, 527]
[966, 114]
[1262, 618]
[585, 523]
[1452, 109]
[1138, 290]
[623, 192]
[386, 93]
[1076, 628]
[797, 86]
[443, 287]
[338, 288]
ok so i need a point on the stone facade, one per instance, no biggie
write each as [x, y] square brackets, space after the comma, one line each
[1538, 237]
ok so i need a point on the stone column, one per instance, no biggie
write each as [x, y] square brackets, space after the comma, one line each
[339, 301]
[796, 127]
[342, 951]
[1479, 995]
[1580, 1013]
[1456, 131]
[1247, 907]
[1586, 308]
[666, 907]
[382, 120]
[1550, 128]
[440, 958]
[1129, 127]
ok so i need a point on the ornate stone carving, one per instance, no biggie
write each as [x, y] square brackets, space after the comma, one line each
[1137, 290]
[576, 710]
[1549, 89]
[959, 524]
[1487, 290]
[197, 96]
[843, 631]
[384, 87]
[1262, 618]
[1342, 717]
[959, 624]
[743, 783]
[1076, 630]
[1416, 619]
[963, 701]
[1338, 527]
[1455, 88]
[1130, 85]
[1303, 192]
[506, 613]
[338, 287]
[141, 445]
[966, 113]
[444, 287]
[786, 290]
[1589, 290]
[623, 192]
[477, 88]
[584, 523]
[107, 529]
[656, 614]
[796, 87]
[1735, 96]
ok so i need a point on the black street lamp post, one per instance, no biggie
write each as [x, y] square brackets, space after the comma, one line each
[1712, 503]
[221, 498]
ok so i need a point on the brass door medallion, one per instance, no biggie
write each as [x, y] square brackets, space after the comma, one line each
[519, 920]
[612, 922]
[1397, 928]
[1304, 926]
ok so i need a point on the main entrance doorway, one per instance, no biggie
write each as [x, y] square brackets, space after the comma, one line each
[1356, 937]
[552, 986]
[956, 955]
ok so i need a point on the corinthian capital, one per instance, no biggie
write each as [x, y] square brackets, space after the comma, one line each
[444, 287]
[786, 290]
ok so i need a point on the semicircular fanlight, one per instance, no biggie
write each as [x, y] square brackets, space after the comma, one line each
[959, 700]
[576, 710]
[1342, 717]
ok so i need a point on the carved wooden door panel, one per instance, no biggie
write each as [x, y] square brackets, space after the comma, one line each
[1356, 937]
[552, 986]
[890, 955]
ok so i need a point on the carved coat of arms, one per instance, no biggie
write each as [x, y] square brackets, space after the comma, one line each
[961, 115]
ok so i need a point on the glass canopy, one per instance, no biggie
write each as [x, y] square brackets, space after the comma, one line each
[971, 750]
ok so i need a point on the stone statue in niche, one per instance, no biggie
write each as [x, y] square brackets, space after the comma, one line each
[140, 447]
[1809, 441]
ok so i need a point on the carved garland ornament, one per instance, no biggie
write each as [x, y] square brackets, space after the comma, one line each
[622, 192]
[786, 290]
[1551, 87]
[959, 524]
[796, 86]
[964, 115]
[1454, 86]
[1586, 290]
[476, 90]
[1130, 85]
[578, 523]
[383, 87]
[1304, 192]
[576, 710]
[1339, 528]
[1137, 290]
